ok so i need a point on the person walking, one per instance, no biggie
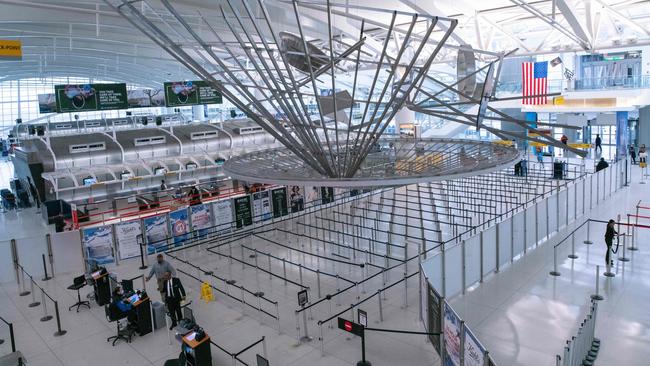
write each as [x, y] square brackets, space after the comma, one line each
[632, 154]
[564, 139]
[602, 164]
[159, 269]
[174, 294]
[609, 238]
[599, 142]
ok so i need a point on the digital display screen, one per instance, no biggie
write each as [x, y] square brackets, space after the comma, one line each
[89, 181]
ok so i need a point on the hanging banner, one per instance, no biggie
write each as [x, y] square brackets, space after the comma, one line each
[201, 219]
[98, 242]
[326, 195]
[451, 328]
[90, 97]
[279, 198]
[297, 198]
[223, 218]
[46, 103]
[261, 206]
[473, 352]
[179, 222]
[156, 232]
[243, 214]
[182, 93]
[144, 98]
[126, 234]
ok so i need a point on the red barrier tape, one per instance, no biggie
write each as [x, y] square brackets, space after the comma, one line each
[643, 207]
[639, 216]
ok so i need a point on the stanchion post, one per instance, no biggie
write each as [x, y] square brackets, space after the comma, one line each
[34, 303]
[24, 291]
[45, 317]
[59, 332]
[381, 309]
[597, 295]
[555, 272]
[588, 241]
[142, 255]
[45, 276]
[573, 254]
[624, 258]
[50, 253]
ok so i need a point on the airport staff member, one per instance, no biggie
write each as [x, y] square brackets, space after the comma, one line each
[174, 294]
[159, 269]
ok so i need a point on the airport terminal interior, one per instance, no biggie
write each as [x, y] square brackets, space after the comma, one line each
[324, 182]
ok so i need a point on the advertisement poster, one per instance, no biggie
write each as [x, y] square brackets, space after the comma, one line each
[46, 103]
[179, 222]
[201, 219]
[155, 229]
[297, 198]
[279, 198]
[473, 350]
[98, 242]
[326, 195]
[243, 214]
[313, 196]
[126, 234]
[90, 97]
[223, 215]
[451, 328]
[144, 98]
[261, 206]
[182, 93]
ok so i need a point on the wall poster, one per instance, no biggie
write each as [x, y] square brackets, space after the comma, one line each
[223, 215]
[243, 212]
[179, 222]
[90, 97]
[126, 234]
[279, 198]
[297, 198]
[98, 243]
[182, 93]
[451, 329]
[201, 219]
[326, 195]
[156, 232]
[261, 206]
[473, 350]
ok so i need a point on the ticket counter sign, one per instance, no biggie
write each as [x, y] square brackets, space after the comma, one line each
[504, 142]
[11, 49]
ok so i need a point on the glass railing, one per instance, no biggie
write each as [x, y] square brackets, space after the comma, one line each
[559, 85]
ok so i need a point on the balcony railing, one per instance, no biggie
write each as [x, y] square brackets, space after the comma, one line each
[606, 83]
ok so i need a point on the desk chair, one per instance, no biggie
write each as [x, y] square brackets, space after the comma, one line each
[77, 284]
[113, 314]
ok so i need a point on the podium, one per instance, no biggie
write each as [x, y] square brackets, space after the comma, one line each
[142, 309]
[101, 287]
[197, 353]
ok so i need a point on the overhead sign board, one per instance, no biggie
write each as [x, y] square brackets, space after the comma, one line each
[580, 145]
[11, 49]
[90, 97]
[187, 93]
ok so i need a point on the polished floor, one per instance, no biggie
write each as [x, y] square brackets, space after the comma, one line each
[521, 314]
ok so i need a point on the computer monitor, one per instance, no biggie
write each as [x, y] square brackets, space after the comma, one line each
[127, 286]
[134, 298]
[96, 274]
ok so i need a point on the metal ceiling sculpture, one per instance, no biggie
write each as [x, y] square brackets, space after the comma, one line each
[328, 96]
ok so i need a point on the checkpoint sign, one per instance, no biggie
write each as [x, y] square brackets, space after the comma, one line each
[351, 327]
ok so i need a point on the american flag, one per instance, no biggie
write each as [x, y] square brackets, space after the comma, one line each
[534, 82]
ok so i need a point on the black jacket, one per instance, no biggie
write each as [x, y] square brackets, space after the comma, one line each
[610, 233]
[178, 292]
[601, 165]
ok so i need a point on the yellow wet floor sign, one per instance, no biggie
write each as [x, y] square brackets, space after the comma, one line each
[206, 292]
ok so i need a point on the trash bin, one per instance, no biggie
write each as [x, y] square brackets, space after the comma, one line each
[158, 314]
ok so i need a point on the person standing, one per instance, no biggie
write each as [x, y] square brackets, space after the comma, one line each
[174, 294]
[609, 238]
[632, 154]
[599, 142]
[159, 269]
[163, 186]
[602, 164]
[564, 139]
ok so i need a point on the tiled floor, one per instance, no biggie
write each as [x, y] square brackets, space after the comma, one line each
[522, 314]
